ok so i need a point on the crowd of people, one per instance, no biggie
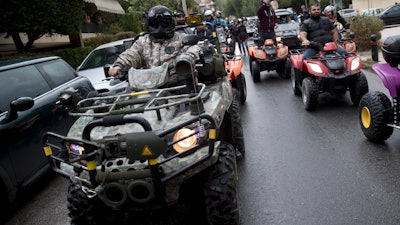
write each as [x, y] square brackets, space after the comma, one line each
[161, 25]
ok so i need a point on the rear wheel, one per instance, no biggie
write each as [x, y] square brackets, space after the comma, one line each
[255, 71]
[375, 112]
[220, 189]
[236, 125]
[288, 69]
[295, 80]
[358, 88]
[310, 94]
[241, 86]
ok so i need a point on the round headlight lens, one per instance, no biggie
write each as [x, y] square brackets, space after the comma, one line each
[186, 143]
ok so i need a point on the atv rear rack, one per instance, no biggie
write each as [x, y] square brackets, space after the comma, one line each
[136, 102]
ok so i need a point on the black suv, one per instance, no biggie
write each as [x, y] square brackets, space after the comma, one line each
[29, 89]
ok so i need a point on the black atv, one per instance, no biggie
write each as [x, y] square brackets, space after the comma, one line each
[140, 151]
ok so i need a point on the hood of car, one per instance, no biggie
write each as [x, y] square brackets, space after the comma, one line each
[95, 75]
[287, 29]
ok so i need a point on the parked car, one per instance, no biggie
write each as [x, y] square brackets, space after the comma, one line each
[92, 67]
[391, 15]
[288, 30]
[371, 12]
[347, 13]
[29, 89]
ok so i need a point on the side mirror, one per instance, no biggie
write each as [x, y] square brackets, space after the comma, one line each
[352, 35]
[18, 105]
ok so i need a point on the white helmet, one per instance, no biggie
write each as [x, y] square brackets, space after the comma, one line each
[208, 13]
[330, 11]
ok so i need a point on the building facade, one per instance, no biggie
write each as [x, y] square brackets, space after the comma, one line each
[368, 4]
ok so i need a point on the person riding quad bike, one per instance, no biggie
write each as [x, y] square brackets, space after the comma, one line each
[146, 150]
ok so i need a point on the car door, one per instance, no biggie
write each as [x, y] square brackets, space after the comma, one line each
[22, 138]
[392, 16]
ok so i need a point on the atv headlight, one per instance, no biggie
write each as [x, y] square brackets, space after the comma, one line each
[315, 67]
[355, 64]
[189, 140]
[76, 149]
[278, 39]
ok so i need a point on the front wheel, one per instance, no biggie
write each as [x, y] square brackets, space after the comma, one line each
[310, 94]
[375, 112]
[358, 88]
[220, 192]
[88, 211]
[255, 71]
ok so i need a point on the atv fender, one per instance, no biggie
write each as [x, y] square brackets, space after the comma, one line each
[297, 62]
[390, 77]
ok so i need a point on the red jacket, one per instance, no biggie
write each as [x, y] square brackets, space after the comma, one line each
[266, 16]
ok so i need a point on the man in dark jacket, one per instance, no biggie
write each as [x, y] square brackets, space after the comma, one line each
[268, 22]
[317, 29]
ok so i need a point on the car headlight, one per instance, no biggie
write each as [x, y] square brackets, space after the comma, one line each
[187, 137]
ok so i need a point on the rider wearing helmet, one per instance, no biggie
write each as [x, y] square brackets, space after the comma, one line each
[161, 44]
[331, 13]
[208, 14]
[219, 20]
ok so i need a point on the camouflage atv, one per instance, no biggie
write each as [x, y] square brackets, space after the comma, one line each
[141, 150]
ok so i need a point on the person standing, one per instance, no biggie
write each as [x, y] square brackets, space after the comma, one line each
[268, 21]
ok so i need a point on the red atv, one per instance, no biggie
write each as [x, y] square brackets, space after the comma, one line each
[328, 72]
[269, 57]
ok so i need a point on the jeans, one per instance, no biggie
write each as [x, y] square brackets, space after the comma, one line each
[310, 52]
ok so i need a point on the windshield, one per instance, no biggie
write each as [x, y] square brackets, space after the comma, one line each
[99, 58]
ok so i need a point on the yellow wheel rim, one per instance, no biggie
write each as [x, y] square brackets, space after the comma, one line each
[365, 117]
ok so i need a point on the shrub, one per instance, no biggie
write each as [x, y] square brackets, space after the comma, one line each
[364, 27]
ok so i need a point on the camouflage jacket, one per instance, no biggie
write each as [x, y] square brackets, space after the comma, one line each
[146, 53]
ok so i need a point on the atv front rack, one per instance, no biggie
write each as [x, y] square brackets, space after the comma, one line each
[136, 102]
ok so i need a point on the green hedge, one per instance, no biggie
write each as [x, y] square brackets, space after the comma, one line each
[364, 27]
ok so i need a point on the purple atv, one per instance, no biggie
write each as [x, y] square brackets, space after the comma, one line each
[377, 112]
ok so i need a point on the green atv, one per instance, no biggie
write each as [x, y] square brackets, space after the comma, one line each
[140, 151]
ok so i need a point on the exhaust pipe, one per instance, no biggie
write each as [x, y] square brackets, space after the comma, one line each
[141, 191]
[114, 195]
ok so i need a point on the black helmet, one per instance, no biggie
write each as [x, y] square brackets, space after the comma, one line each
[160, 22]
[391, 50]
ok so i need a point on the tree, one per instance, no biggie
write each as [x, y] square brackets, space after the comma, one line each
[39, 17]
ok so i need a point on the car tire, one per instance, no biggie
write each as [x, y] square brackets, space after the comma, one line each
[375, 112]
[310, 94]
[220, 193]
[295, 80]
[358, 88]
[255, 71]
[241, 86]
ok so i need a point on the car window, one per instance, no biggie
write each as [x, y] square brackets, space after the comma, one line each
[21, 82]
[99, 58]
[283, 19]
[58, 72]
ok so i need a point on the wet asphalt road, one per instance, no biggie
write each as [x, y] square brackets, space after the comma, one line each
[300, 167]
[314, 167]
